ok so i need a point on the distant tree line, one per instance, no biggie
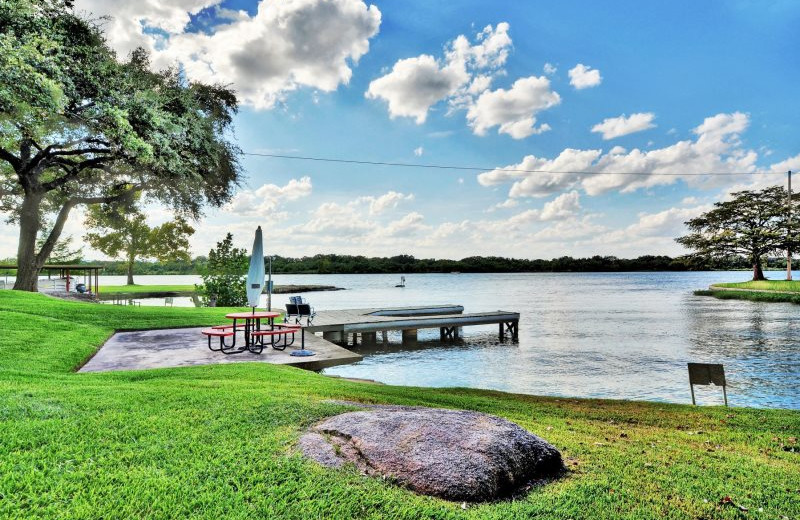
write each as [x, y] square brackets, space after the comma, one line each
[347, 264]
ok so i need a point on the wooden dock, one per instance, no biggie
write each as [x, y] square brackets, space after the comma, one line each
[337, 325]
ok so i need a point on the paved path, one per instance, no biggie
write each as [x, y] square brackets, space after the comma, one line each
[187, 347]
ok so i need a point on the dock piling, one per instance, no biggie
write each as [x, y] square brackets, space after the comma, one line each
[509, 328]
[409, 335]
[449, 333]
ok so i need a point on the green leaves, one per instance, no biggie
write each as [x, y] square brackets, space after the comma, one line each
[225, 276]
[750, 224]
[76, 124]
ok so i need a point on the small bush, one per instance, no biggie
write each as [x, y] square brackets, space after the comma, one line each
[224, 279]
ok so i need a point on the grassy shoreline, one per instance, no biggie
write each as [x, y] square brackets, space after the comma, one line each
[778, 291]
[763, 285]
[219, 441]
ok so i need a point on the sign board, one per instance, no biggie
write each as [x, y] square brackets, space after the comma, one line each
[707, 374]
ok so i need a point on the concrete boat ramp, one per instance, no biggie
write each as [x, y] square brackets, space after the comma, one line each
[163, 348]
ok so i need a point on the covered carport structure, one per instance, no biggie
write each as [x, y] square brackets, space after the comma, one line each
[90, 273]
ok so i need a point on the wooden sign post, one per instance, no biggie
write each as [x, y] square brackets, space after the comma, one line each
[707, 374]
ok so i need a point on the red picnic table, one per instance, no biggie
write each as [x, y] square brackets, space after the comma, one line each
[278, 333]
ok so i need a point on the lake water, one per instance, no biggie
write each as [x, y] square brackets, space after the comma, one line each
[615, 335]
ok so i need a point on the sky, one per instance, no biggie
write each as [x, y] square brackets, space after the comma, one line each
[678, 87]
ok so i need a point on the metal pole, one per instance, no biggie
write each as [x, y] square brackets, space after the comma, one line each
[789, 227]
[269, 287]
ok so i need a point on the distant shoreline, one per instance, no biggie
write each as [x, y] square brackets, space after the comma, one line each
[408, 264]
[108, 292]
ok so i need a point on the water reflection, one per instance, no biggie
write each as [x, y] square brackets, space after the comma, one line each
[756, 343]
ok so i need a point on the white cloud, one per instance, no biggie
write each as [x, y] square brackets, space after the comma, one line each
[792, 163]
[513, 110]
[623, 125]
[570, 229]
[652, 232]
[549, 69]
[267, 200]
[387, 201]
[506, 204]
[581, 77]
[563, 206]
[415, 84]
[419, 151]
[125, 28]
[545, 181]
[716, 149]
[330, 218]
[286, 45]
[408, 225]
[463, 78]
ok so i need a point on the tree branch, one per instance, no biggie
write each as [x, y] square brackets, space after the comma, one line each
[107, 198]
[10, 158]
[60, 149]
[80, 151]
[73, 171]
[55, 233]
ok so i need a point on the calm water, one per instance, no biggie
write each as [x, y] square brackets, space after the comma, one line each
[616, 335]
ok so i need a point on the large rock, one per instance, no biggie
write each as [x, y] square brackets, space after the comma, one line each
[456, 455]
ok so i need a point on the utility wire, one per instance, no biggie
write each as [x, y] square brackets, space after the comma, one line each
[476, 168]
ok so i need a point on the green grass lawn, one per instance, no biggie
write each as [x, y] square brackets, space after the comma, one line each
[133, 289]
[219, 441]
[764, 285]
[777, 291]
[753, 296]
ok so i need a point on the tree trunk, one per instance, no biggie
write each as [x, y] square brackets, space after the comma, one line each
[28, 265]
[758, 273]
[130, 271]
[29, 262]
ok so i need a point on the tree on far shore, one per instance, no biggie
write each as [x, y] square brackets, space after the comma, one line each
[752, 224]
[78, 127]
[124, 232]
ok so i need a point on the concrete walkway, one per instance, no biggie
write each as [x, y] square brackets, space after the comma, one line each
[187, 347]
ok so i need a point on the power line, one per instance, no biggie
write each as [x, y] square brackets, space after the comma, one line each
[482, 169]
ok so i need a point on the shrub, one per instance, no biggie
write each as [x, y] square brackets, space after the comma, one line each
[225, 277]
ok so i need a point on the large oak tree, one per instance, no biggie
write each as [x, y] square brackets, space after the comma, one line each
[751, 224]
[78, 127]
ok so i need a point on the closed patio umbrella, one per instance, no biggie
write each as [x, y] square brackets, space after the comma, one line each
[255, 276]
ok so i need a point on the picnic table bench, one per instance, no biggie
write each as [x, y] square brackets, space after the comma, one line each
[280, 335]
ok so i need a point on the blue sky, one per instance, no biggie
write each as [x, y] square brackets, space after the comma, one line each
[709, 86]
